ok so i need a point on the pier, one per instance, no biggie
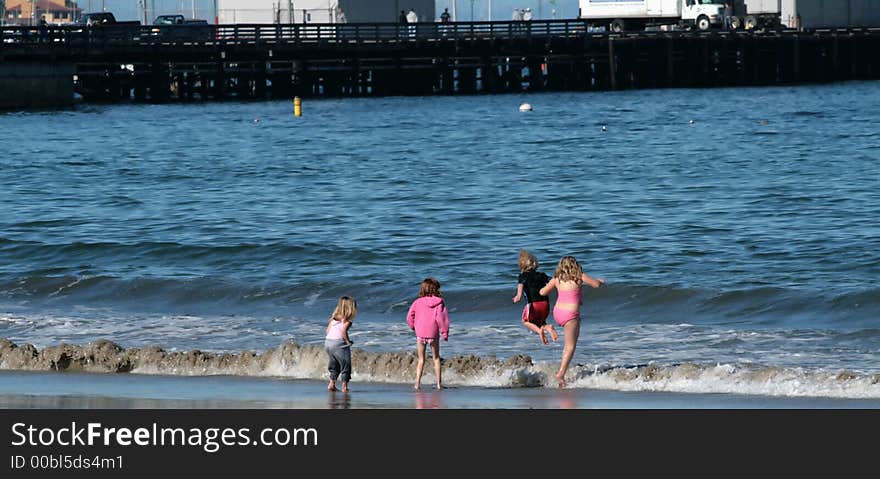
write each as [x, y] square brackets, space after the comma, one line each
[208, 62]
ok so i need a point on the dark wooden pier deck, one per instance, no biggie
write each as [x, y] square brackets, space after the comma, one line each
[168, 63]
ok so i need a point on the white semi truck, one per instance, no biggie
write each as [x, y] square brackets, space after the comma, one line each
[620, 15]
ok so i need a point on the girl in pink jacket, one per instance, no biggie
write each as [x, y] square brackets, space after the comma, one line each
[429, 319]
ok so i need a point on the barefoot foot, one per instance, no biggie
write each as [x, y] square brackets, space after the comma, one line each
[345, 388]
[560, 377]
[331, 386]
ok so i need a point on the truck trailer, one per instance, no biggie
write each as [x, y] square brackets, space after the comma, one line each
[806, 14]
[319, 11]
[275, 11]
[620, 15]
[757, 14]
[820, 14]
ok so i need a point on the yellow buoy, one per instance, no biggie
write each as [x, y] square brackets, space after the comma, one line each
[297, 106]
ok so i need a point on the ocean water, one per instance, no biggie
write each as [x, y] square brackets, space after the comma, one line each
[736, 229]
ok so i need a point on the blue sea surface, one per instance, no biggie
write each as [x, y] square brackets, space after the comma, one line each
[733, 226]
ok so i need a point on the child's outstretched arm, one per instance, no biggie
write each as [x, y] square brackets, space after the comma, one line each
[519, 291]
[593, 282]
[548, 287]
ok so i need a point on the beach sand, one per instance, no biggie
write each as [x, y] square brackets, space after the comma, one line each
[20, 389]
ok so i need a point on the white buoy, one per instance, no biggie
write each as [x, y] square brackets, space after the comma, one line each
[691, 122]
[604, 128]
[525, 107]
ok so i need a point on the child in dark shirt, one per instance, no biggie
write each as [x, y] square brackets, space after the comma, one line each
[537, 306]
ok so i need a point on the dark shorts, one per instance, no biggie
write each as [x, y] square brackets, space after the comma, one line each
[536, 313]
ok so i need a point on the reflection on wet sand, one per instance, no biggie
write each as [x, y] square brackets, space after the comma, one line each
[567, 399]
[339, 400]
[429, 399]
[558, 399]
[101, 391]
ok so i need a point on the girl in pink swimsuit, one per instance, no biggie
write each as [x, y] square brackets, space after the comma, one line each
[567, 281]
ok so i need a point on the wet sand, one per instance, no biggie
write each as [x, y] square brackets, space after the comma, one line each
[20, 389]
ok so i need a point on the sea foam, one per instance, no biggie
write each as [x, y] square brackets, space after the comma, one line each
[298, 361]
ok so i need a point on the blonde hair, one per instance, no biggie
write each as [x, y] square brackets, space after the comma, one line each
[527, 261]
[430, 287]
[346, 309]
[569, 270]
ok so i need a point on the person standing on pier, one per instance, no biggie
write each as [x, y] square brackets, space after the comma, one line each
[444, 18]
[527, 15]
[44, 29]
[401, 20]
[517, 17]
[728, 15]
[412, 18]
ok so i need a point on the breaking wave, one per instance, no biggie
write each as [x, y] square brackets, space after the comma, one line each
[293, 360]
[620, 300]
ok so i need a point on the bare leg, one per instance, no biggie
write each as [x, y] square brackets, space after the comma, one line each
[331, 386]
[345, 387]
[553, 334]
[435, 351]
[572, 331]
[535, 329]
[421, 364]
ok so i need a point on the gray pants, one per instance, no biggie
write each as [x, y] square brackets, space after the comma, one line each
[339, 359]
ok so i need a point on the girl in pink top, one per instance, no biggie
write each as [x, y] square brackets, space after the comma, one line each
[429, 319]
[567, 281]
[337, 344]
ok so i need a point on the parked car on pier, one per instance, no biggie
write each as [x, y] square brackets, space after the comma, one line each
[103, 19]
[177, 20]
[103, 26]
[177, 28]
